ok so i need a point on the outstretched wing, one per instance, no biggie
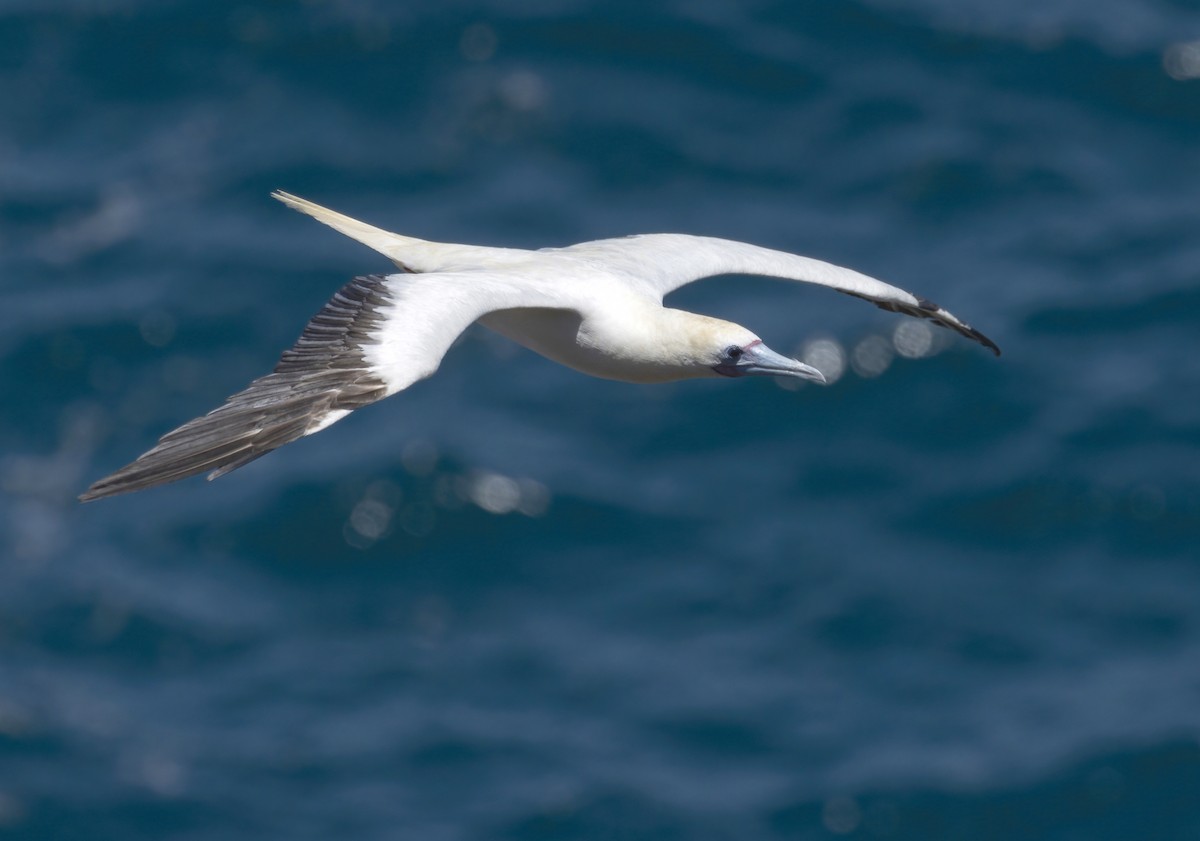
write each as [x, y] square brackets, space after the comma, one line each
[375, 337]
[661, 263]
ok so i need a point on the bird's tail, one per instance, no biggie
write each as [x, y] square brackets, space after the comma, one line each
[405, 252]
[409, 253]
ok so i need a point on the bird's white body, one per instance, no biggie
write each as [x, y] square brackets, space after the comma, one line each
[642, 347]
[596, 307]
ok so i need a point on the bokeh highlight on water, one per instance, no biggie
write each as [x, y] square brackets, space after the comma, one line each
[946, 597]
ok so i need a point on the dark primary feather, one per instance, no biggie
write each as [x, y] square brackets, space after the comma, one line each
[324, 372]
[942, 318]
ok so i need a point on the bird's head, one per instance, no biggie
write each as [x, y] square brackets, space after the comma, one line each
[731, 350]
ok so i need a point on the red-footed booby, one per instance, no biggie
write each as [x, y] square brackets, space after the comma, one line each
[596, 307]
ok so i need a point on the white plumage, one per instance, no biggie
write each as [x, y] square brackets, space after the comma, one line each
[596, 307]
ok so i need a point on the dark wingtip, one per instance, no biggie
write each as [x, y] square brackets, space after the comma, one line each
[98, 491]
[114, 484]
[929, 309]
[985, 341]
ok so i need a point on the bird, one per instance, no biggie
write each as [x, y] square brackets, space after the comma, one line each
[596, 307]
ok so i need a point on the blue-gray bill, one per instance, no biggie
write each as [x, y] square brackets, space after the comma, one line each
[759, 360]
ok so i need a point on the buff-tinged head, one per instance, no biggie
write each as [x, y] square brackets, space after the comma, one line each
[709, 346]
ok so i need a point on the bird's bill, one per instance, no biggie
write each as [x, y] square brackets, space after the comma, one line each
[760, 360]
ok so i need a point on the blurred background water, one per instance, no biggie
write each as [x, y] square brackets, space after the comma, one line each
[948, 597]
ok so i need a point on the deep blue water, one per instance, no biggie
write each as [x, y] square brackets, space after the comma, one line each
[948, 597]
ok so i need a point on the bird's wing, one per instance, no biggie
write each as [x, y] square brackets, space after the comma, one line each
[661, 263]
[375, 337]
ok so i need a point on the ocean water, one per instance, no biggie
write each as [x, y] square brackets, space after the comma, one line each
[947, 597]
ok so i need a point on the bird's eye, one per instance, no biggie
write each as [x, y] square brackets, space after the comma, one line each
[734, 352]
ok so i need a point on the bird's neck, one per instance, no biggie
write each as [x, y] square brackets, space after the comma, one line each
[650, 344]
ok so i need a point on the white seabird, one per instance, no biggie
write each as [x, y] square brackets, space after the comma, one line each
[596, 307]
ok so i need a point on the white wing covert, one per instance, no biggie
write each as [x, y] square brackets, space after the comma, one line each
[661, 263]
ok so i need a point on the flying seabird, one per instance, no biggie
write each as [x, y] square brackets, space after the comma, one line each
[596, 307]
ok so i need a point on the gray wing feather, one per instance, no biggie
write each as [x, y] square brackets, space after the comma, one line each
[323, 373]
